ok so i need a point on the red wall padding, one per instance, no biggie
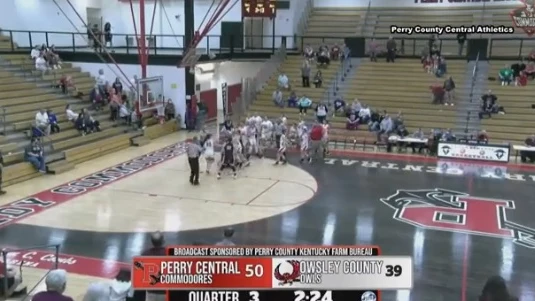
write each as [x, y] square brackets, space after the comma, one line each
[234, 92]
[210, 99]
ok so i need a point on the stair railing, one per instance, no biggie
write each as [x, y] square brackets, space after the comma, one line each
[471, 94]
[3, 120]
[43, 135]
[366, 14]
[339, 77]
[302, 25]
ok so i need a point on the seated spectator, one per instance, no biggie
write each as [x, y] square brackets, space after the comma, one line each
[318, 79]
[364, 114]
[495, 289]
[352, 122]
[283, 81]
[482, 137]
[309, 52]
[125, 114]
[449, 91]
[385, 127]
[96, 98]
[323, 56]
[14, 281]
[86, 123]
[56, 283]
[522, 79]
[41, 64]
[118, 85]
[335, 52]
[419, 134]
[517, 68]
[53, 121]
[170, 110]
[373, 50]
[52, 58]
[506, 76]
[304, 104]
[292, 100]
[355, 107]
[321, 112]
[34, 155]
[34, 54]
[448, 136]
[71, 116]
[277, 98]
[41, 122]
[437, 93]
[339, 106]
[530, 70]
[66, 82]
[441, 67]
[529, 155]
[397, 122]
[427, 63]
[375, 121]
[115, 104]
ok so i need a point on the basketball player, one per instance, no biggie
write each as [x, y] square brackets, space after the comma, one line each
[227, 158]
[266, 135]
[252, 145]
[239, 158]
[209, 152]
[293, 136]
[281, 153]
[325, 138]
[304, 146]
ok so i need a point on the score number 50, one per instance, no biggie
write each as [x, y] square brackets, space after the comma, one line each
[254, 270]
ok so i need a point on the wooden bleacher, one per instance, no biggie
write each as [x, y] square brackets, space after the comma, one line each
[404, 87]
[23, 91]
[518, 122]
[331, 25]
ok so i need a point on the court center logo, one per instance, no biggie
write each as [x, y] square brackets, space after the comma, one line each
[453, 211]
[524, 17]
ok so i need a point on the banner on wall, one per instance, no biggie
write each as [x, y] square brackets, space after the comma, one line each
[224, 98]
[475, 152]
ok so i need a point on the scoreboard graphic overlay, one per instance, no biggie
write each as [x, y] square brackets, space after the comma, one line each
[260, 273]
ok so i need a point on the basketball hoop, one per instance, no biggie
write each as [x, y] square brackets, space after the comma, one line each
[190, 58]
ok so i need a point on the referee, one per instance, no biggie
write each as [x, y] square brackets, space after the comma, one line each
[194, 151]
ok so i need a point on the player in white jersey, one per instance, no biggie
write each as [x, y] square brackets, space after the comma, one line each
[300, 127]
[325, 139]
[252, 145]
[304, 138]
[281, 153]
[266, 135]
[293, 135]
[209, 152]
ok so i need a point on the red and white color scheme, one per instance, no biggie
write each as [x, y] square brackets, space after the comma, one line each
[283, 267]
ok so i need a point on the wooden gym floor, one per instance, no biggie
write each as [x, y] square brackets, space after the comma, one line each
[460, 222]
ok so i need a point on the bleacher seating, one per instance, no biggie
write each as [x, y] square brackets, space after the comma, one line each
[331, 25]
[518, 122]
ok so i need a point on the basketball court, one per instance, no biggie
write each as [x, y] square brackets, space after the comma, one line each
[460, 222]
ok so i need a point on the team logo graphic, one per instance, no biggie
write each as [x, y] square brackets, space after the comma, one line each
[446, 149]
[288, 278]
[453, 211]
[153, 279]
[368, 296]
[524, 17]
[499, 153]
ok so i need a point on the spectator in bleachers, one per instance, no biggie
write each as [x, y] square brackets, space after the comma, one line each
[427, 63]
[170, 110]
[528, 155]
[14, 281]
[318, 79]
[335, 52]
[448, 136]
[125, 114]
[495, 289]
[375, 121]
[441, 66]
[321, 112]
[373, 50]
[461, 39]
[96, 98]
[419, 134]
[41, 64]
[304, 104]
[437, 92]
[449, 91]
[323, 55]
[531, 56]
[309, 52]
[385, 127]
[339, 106]
[91, 125]
[41, 121]
[517, 69]
[397, 122]
[53, 121]
[107, 35]
[34, 54]
[352, 122]
[364, 114]
[35, 155]
[283, 81]
[522, 79]
[391, 48]
[118, 85]
[71, 116]
[56, 283]
[482, 137]
[157, 249]
[115, 104]
[96, 34]
[227, 238]
[98, 291]
[277, 98]
[506, 75]
[432, 41]
[52, 58]
[102, 83]
[530, 70]
[293, 100]
[305, 74]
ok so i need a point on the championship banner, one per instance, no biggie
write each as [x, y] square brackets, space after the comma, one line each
[260, 268]
[480, 152]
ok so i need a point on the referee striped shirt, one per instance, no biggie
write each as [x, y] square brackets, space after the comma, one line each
[193, 150]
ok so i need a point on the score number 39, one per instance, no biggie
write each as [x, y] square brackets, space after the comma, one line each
[393, 271]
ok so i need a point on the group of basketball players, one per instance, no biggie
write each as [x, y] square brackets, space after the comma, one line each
[257, 134]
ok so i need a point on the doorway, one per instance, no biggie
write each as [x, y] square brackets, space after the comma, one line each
[94, 16]
[254, 33]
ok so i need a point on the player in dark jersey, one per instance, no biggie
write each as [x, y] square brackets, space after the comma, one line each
[227, 158]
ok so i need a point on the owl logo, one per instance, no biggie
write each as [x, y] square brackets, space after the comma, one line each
[524, 17]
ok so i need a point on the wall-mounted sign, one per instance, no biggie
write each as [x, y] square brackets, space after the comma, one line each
[259, 8]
